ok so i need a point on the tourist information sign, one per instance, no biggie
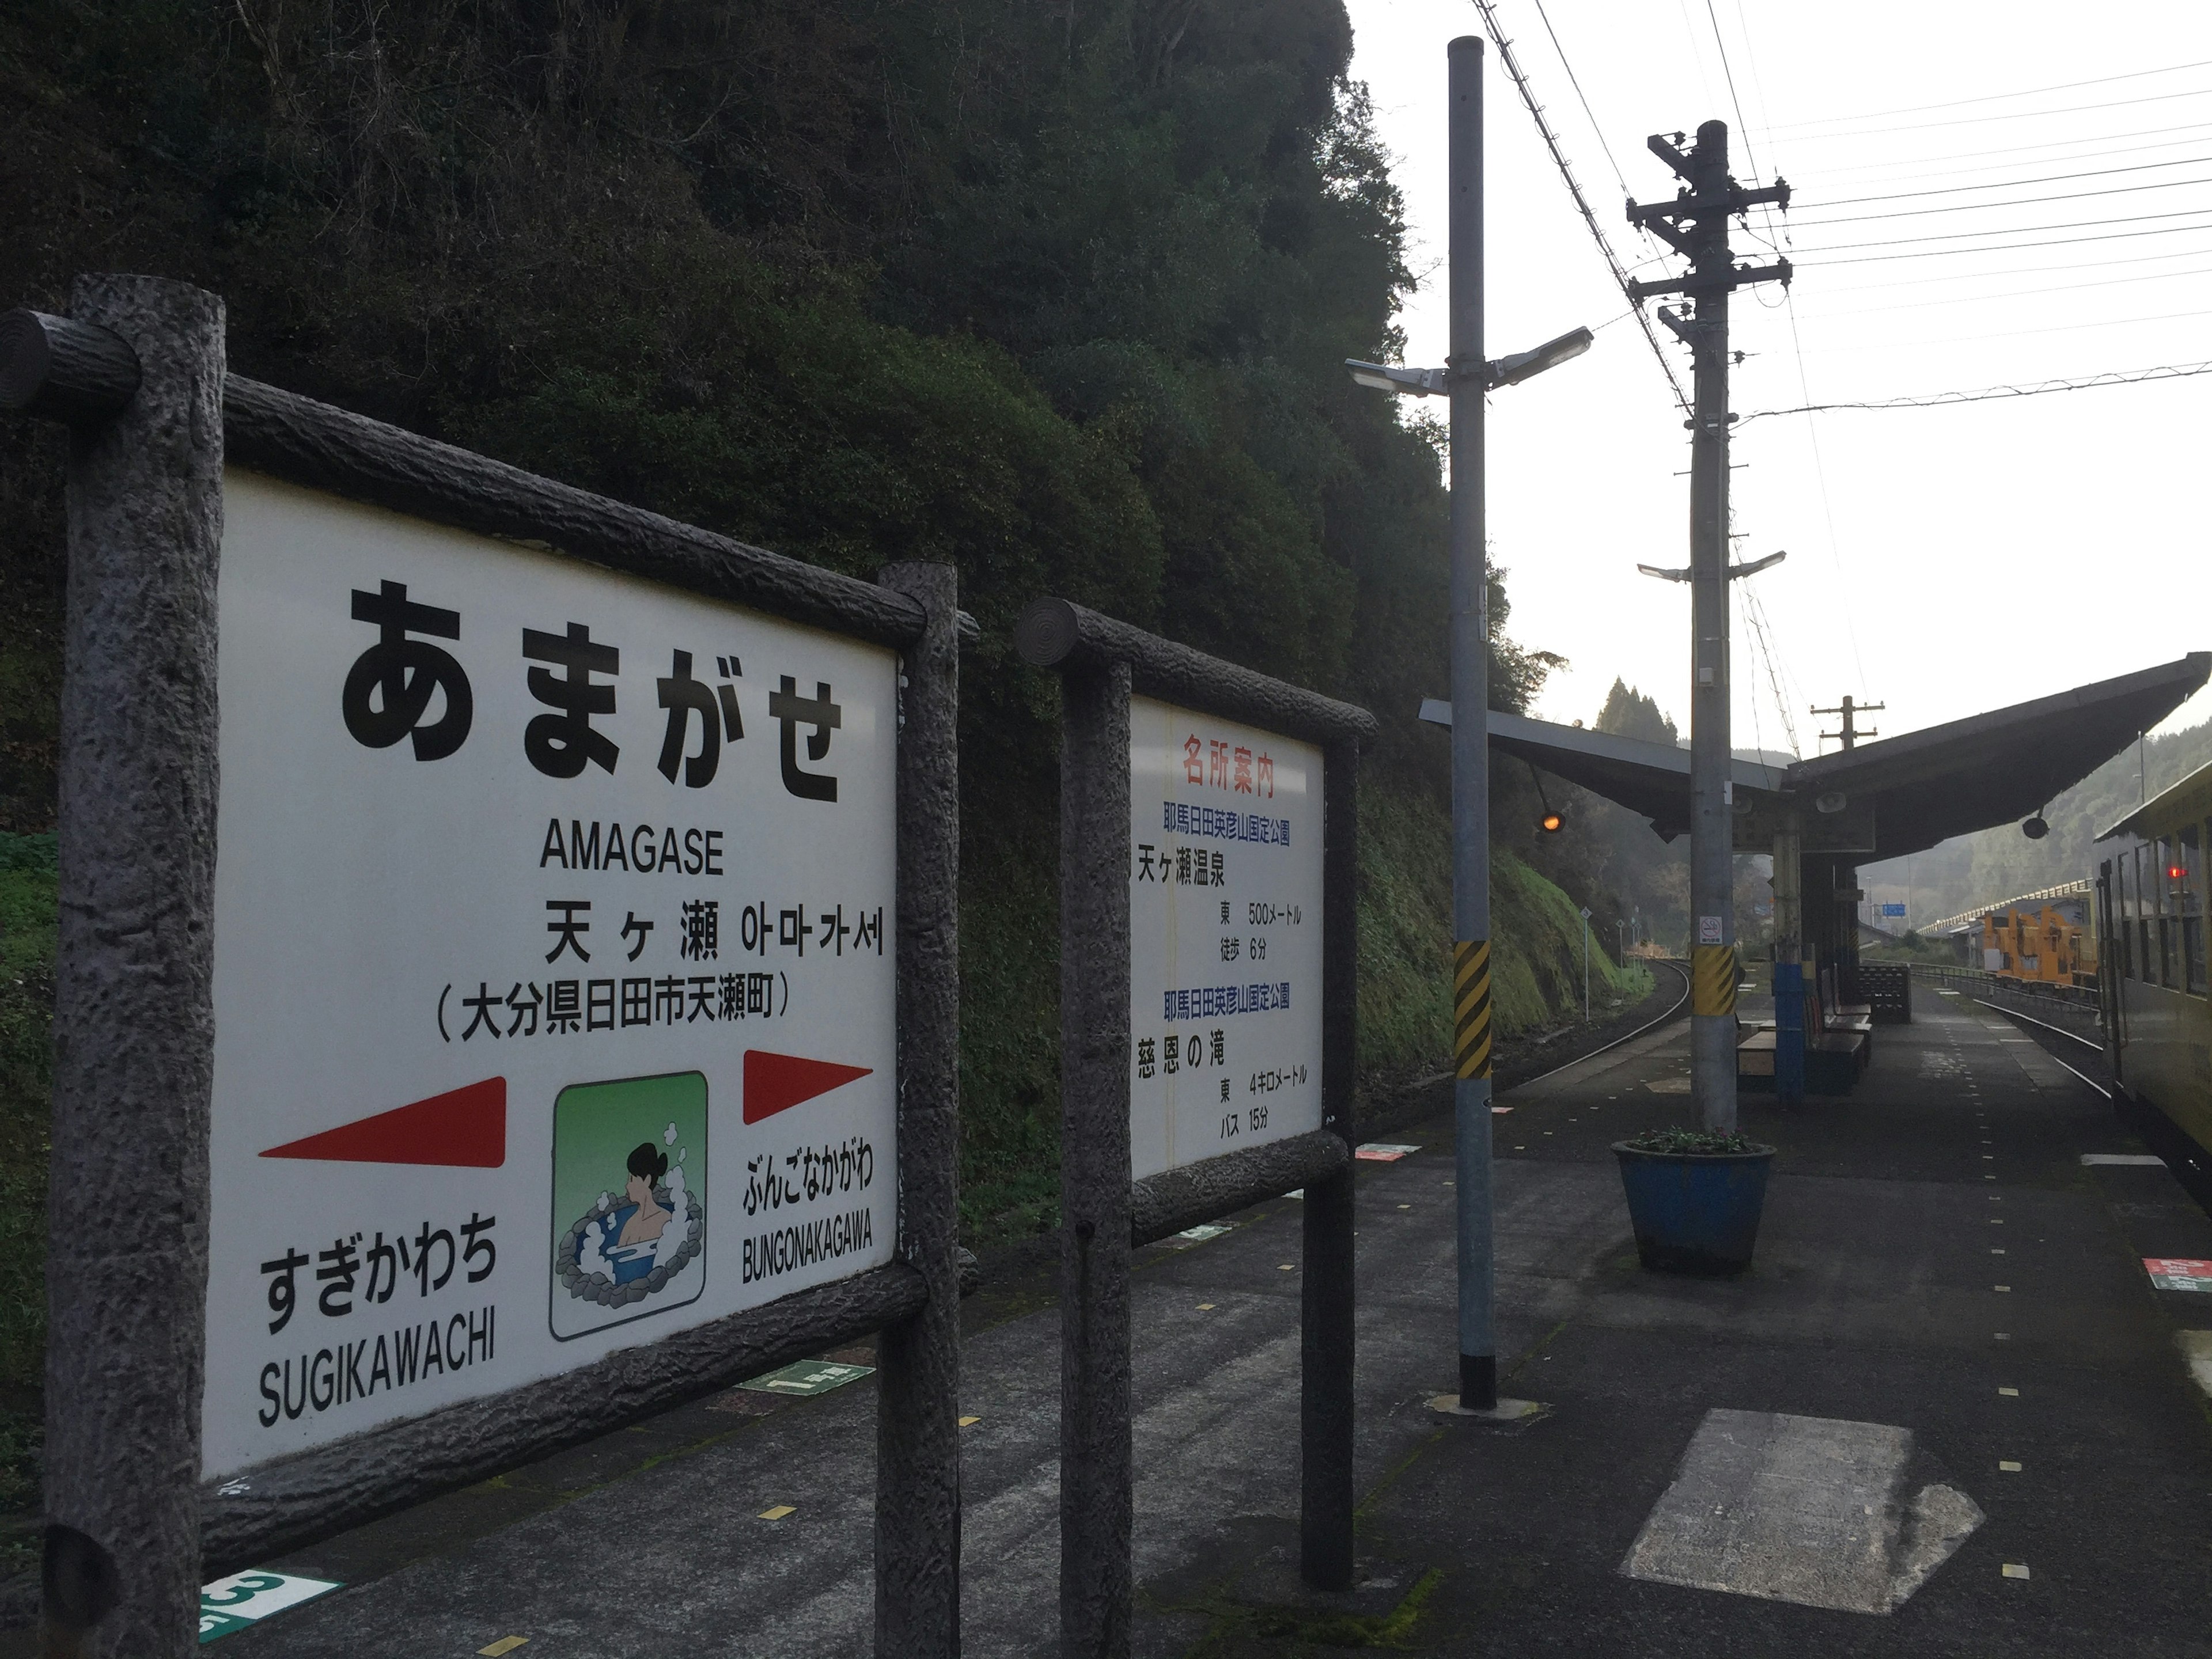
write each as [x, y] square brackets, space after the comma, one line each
[1225, 930]
[554, 1003]
[1208, 856]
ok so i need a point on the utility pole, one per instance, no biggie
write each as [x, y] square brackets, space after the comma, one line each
[1851, 734]
[1695, 225]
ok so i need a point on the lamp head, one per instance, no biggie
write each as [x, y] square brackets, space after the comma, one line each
[1526, 365]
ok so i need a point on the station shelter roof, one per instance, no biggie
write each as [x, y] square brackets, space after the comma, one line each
[1891, 796]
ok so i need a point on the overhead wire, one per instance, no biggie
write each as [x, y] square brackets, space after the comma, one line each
[2023, 156]
[2003, 294]
[1558, 156]
[1821, 262]
[1985, 207]
[2016, 183]
[1752, 611]
[2010, 115]
[1986, 394]
[2011, 333]
[1991, 98]
[2010, 230]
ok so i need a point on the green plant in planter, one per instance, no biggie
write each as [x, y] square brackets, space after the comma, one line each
[1678, 1139]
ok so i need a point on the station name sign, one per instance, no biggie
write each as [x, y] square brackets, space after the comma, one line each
[555, 974]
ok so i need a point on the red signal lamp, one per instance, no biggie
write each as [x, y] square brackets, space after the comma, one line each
[2174, 872]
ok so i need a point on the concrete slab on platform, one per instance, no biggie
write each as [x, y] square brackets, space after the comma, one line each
[1862, 1360]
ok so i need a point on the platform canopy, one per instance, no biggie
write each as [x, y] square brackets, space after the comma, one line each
[1889, 796]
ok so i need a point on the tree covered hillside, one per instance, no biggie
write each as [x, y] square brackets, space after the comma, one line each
[1058, 294]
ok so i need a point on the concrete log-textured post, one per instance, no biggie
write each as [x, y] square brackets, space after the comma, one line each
[133, 1017]
[1326, 1399]
[918, 1407]
[1096, 1457]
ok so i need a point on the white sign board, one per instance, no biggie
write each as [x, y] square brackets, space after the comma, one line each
[554, 967]
[1224, 937]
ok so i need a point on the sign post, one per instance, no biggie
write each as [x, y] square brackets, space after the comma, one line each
[1208, 965]
[508, 975]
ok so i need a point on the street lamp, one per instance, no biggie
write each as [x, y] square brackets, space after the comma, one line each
[1502, 371]
[1470, 702]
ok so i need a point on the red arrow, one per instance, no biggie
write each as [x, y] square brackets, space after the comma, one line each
[774, 1082]
[464, 1128]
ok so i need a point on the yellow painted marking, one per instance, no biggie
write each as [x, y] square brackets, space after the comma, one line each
[970, 1422]
[1286, 1268]
[777, 1512]
[2013, 1393]
[2007, 1466]
[1205, 1307]
[1713, 979]
[2003, 1287]
[505, 1645]
[1997, 1250]
[1405, 1206]
[2015, 1570]
[2004, 1336]
[1471, 1042]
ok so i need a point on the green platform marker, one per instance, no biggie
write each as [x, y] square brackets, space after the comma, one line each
[806, 1378]
[229, 1605]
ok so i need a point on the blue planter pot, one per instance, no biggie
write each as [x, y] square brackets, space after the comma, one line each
[1694, 1213]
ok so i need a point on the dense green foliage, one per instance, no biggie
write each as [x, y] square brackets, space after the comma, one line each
[1059, 295]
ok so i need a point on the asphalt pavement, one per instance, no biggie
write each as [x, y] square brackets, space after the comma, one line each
[1948, 1319]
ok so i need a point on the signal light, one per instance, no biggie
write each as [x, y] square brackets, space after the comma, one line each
[2173, 871]
[1551, 824]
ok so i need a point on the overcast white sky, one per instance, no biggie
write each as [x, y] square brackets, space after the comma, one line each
[1955, 559]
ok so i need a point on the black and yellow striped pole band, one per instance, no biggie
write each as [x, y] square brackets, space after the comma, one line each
[1471, 1008]
[1712, 979]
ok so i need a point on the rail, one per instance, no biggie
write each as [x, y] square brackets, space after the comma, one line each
[2066, 1008]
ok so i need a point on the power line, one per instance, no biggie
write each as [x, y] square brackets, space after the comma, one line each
[2023, 150]
[2003, 294]
[1574, 189]
[1896, 283]
[2019, 184]
[1729, 74]
[1999, 247]
[1985, 207]
[1821, 478]
[2015, 115]
[2010, 230]
[2011, 333]
[1991, 98]
[2117, 377]
[1575, 81]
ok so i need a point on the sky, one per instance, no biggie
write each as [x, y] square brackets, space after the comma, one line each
[1941, 561]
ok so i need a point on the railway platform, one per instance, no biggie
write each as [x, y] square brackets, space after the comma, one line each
[1946, 1413]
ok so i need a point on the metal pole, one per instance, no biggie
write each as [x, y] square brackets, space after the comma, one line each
[134, 1020]
[1712, 899]
[1470, 742]
[1096, 1449]
[918, 1400]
